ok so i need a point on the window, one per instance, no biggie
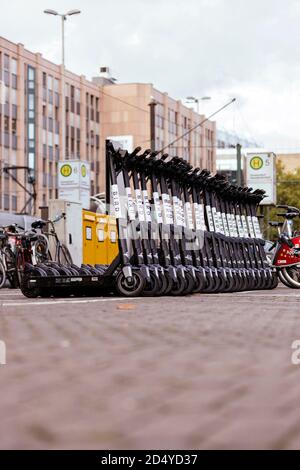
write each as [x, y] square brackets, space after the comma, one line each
[31, 103]
[14, 126]
[14, 203]
[31, 73]
[6, 94]
[44, 80]
[50, 139]
[6, 124]
[6, 78]
[50, 110]
[14, 111]
[6, 62]
[56, 85]
[6, 202]
[14, 97]
[31, 131]
[50, 82]
[14, 81]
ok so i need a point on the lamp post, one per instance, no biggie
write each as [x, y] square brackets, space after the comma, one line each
[63, 17]
[192, 99]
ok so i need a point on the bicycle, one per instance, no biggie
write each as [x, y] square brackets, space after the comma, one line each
[286, 250]
[7, 256]
[41, 246]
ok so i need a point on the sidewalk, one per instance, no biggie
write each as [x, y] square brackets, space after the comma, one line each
[202, 372]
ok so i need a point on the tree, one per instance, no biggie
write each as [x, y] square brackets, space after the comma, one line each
[288, 193]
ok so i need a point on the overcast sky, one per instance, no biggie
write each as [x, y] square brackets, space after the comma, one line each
[220, 48]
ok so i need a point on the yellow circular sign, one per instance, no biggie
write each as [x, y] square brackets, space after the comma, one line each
[66, 170]
[83, 171]
[256, 163]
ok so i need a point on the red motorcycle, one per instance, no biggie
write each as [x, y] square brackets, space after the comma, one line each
[286, 250]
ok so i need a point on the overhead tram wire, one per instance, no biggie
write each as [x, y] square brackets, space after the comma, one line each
[197, 125]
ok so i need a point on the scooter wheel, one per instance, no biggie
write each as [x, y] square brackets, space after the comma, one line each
[163, 284]
[169, 282]
[275, 281]
[213, 282]
[200, 283]
[30, 292]
[130, 287]
[232, 283]
[190, 283]
[178, 286]
[152, 286]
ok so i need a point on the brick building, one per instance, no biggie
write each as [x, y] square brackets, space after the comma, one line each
[48, 114]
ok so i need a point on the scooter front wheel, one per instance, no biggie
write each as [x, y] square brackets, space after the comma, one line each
[153, 286]
[132, 286]
[178, 286]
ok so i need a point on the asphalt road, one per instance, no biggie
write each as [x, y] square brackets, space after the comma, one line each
[203, 372]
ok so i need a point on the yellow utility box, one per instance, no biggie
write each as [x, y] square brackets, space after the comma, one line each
[101, 253]
[100, 242]
[89, 237]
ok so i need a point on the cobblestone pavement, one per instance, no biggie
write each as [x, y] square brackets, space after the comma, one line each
[206, 372]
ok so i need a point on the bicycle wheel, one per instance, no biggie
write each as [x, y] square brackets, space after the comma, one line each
[11, 272]
[292, 276]
[2, 274]
[64, 256]
[41, 249]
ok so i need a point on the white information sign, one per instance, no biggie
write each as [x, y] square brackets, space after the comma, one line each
[261, 174]
[74, 181]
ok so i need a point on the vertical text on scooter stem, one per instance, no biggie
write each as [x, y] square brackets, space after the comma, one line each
[2, 353]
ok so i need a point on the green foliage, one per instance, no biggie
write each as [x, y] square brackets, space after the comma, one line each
[288, 193]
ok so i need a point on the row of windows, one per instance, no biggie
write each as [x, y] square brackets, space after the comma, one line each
[8, 202]
[9, 79]
[8, 63]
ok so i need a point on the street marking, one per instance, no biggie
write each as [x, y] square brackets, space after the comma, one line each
[60, 302]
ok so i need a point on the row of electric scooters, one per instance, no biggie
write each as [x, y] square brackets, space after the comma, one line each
[182, 230]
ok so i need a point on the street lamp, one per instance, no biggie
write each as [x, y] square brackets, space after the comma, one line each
[64, 17]
[192, 99]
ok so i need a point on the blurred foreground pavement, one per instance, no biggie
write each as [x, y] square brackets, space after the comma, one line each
[203, 372]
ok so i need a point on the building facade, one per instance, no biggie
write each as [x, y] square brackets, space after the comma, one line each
[48, 114]
[290, 161]
[126, 111]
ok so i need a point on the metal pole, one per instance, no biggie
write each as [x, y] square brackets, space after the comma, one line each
[63, 19]
[239, 164]
[63, 104]
[152, 125]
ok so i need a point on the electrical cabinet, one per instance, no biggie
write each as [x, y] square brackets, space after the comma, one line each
[69, 230]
